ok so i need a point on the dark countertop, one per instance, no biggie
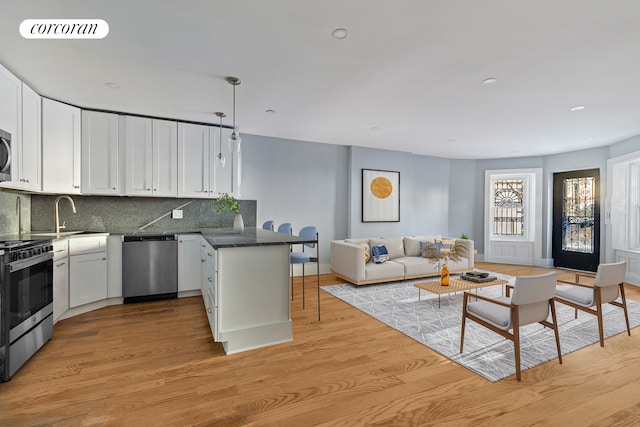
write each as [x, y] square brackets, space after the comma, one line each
[217, 237]
[251, 236]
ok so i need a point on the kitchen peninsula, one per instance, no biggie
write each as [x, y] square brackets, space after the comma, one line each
[246, 290]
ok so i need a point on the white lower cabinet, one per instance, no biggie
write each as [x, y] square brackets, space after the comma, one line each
[209, 285]
[189, 261]
[87, 270]
[60, 278]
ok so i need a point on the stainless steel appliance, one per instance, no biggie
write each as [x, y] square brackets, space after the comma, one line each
[149, 267]
[26, 301]
[5, 156]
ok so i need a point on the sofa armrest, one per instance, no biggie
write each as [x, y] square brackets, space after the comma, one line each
[347, 259]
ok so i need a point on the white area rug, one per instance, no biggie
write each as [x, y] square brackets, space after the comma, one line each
[485, 352]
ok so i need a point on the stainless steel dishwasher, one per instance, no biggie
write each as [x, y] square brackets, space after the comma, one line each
[149, 267]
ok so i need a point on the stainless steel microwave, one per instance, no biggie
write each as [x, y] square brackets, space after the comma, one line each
[5, 156]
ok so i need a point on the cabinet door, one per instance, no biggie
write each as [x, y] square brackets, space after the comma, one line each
[30, 148]
[60, 287]
[60, 147]
[193, 160]
[139, 152]
[87, 278]
[207, 254]
[189, 261]
[165, 158]
[100, 138]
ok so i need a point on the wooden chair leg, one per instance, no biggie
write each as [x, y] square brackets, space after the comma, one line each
[555, 328]
[464, 318]
[515, 322]
[599, 315]
[624, 307]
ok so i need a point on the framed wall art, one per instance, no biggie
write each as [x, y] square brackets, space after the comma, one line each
[380, 196]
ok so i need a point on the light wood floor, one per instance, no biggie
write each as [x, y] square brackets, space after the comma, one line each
[155, 364]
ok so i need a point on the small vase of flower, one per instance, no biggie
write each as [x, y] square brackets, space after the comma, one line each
[227, 202]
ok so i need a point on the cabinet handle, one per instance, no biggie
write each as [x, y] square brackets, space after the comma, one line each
[113, 188]
[60, 250]
[209, 279]
[180, 241]
[203, 260]
[209, 254]
[76, 186]
[148, 189]
[61, 264]
[209, 310]
[104, 259]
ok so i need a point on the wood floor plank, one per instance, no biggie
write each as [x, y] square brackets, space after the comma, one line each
[156, 364]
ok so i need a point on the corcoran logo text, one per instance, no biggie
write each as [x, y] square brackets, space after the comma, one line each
[64, 29]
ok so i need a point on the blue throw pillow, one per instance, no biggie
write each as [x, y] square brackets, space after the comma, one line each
[379, 253]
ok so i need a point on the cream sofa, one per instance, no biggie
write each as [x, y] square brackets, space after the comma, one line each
[405, 262]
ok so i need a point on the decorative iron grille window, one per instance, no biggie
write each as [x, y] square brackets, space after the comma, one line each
[508, 207]
[578, 215]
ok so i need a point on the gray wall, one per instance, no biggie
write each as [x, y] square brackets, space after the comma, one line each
[424, 193]
[298, 182]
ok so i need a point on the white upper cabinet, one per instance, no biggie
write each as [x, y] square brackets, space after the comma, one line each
[151, 157]
[10, 109]
[28, 163]
[194, 143]
[199, 173]
[100, 153]
[60, 147]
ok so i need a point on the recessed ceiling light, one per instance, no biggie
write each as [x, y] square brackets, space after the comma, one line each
[339, 33]
[375, 129]
[451, 140]
[270, 112]
[112, 85]
[489, 81]
[577, 108]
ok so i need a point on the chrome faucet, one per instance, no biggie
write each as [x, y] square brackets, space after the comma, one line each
[57, 215]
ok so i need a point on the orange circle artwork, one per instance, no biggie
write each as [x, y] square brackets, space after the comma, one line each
[381, 187]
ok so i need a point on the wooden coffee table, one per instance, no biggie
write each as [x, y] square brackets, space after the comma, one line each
[456, 284]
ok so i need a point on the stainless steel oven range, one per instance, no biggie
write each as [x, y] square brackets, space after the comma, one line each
[26, 301]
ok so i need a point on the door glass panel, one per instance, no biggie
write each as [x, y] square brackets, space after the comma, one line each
[578, 215]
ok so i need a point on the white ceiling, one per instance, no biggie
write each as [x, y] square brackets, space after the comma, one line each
[410, 68]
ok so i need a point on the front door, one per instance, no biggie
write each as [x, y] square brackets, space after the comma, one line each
[576, 219]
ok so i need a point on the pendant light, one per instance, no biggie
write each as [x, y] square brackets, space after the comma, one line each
[234, 139]
[220, 158]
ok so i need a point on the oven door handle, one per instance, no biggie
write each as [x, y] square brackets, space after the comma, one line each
[28, 262]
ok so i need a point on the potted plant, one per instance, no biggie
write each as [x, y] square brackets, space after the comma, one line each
[227, 202]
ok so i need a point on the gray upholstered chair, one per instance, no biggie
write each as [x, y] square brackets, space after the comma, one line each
[531, 302]
[606, 288]
[285, 228]
[268, 225]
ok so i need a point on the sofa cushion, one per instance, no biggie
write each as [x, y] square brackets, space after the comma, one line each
[380, 253]
[412, 245]
[367, 251]
[395, 245]
[357, 241]
[389, 270]
[416, 266]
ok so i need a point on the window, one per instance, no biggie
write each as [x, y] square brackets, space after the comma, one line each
[508, 207]
[625, 205]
